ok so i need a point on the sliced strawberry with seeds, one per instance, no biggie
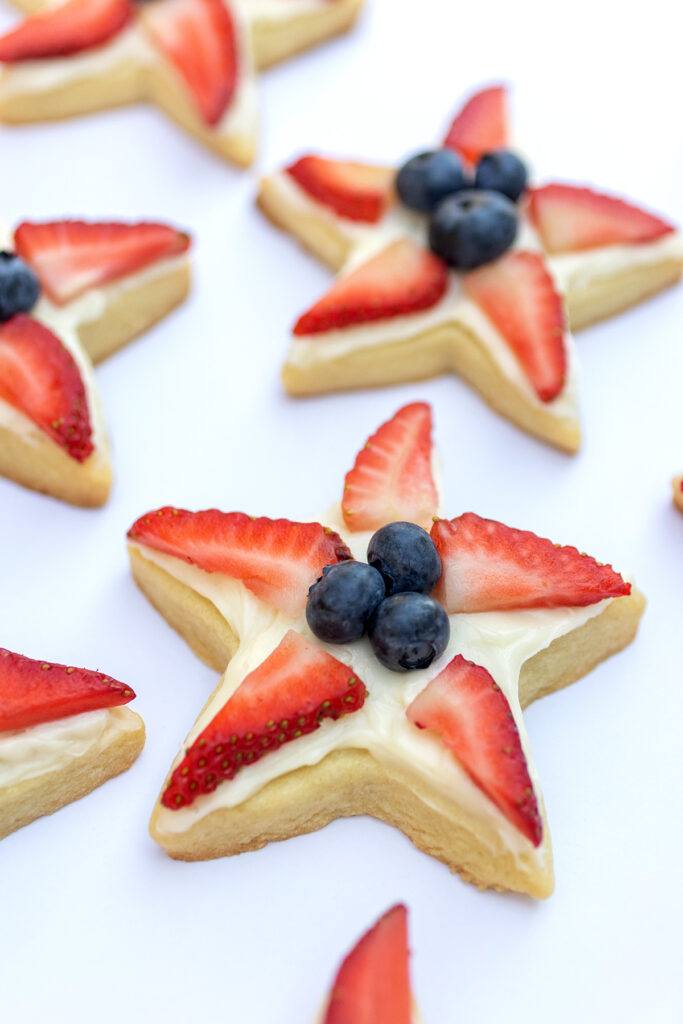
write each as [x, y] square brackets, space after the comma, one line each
[471, 714]
[39, 376]
[571, 219]
[518, 296]
[286, 697]
[71, 256]
[356, 191]
[392, 476]
[489, 567]
[32, 692]
[67, 28]
[199, 38]
[373, 984]
[481, 126]
[276, 559]
[403, 278]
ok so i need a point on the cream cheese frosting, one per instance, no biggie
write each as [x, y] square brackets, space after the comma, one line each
[500, 641]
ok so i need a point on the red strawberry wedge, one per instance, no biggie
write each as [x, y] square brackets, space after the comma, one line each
[489, 567]
[276, 559]
[199, 38]
[356, 191]
[470, 713]
[481, 126]
[64, 29]
[286, 697]
[571, 219]
[39, 377]
[71, 256]
[392, 476]
[403, 278]
[518, 296]
[373, 983]
[32, 692]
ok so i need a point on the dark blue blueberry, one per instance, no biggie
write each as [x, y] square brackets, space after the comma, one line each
[19, 286]
[342, 601]
[409, 631]
[472, 228]
[406, 557]
[502, 171]
[428, 178]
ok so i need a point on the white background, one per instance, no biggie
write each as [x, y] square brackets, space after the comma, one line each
[97, 923]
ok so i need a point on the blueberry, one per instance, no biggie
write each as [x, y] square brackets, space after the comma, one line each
[342, 601]
[19, 286]
[472, 228]
[428, 178]
[406, 557]
[502, 171]
[409, 631]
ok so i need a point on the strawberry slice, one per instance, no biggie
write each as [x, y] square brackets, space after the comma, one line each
[70, 256]
[403, 278]
[39, 376]
[286, 697]
[571, 219]
[488, 567]
[67, 28]
[355, 191]
[518, 295]
[481, 126]
[471, 714]
[392, 476]
[199, 38]
[373, 984]
[276, 559]
[32, 692]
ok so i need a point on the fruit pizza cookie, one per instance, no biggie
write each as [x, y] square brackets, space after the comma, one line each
[377, 664]
[457, 264]
[63, 732]
[71, 293]
[195, 59]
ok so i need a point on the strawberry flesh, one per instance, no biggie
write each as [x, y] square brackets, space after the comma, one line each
[356, 191]
[373, 983]
[403, 278]
[64, 29]
[32, 692]
[489, 567]
[392, 476]
[276, 559]
[39, 377]
[286, 697]
[518, 296]
[470, 713]
[72, 256]
[199, 38]
[571, 219]
[481, 125]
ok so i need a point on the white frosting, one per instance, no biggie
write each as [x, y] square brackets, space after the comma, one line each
[27, 753]
[500, 641]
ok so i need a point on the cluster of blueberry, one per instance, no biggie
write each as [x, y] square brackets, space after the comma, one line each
[388, 596]
[473, 220]
[19, 286]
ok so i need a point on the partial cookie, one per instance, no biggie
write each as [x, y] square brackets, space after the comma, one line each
[306, 726]
[511, 267]
[678, 492]
[195, 59]
[63, 732]
[72, 293]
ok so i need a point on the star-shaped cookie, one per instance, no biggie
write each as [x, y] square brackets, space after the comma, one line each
[195, 59]
[299, 732]
[90, 288]
[397, 313]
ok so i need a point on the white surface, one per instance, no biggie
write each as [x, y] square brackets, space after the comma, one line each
[97, 923]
